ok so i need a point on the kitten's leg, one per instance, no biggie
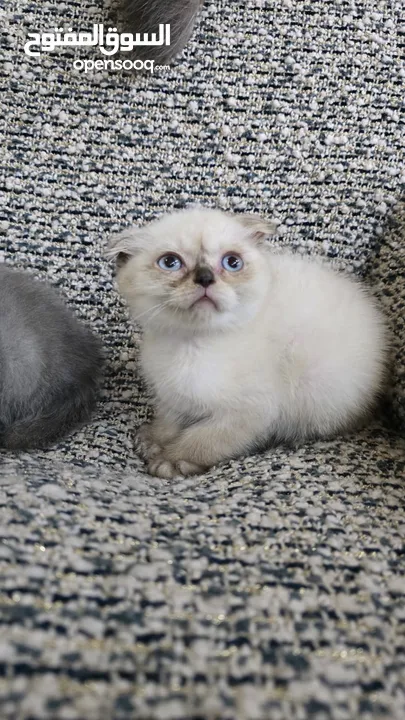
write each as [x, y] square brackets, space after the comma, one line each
[206, 443]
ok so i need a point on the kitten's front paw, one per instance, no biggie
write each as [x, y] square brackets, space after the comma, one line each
[144, 443]
[167, 469]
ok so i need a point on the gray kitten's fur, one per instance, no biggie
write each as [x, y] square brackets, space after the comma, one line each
[146, 16]
[50, 364]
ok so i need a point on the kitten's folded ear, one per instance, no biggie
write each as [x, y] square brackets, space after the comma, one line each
[258, 228]
[124, 245]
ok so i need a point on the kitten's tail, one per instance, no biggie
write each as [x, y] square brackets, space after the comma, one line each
[145, 16]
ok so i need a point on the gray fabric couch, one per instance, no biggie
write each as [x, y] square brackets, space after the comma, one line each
[273, 587]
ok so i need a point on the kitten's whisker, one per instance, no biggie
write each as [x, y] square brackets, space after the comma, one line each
[158, 309]
[145, 312]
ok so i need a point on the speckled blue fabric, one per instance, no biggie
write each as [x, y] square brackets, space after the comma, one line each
[273, 587]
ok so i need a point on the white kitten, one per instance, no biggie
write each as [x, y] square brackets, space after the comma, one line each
[243, 346]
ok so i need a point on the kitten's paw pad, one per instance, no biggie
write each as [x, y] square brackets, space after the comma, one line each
[144, 443]
[160, 467]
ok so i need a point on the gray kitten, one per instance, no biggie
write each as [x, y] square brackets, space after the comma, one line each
[147, 15]
[50, 364]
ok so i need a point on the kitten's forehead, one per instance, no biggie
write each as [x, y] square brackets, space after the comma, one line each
[200, 233]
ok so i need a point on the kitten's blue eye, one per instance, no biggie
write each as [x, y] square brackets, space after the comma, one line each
[232, 262]
[170, 262]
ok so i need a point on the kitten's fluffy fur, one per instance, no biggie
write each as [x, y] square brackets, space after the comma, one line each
[146, 16]
[286, 350]
[50, 364]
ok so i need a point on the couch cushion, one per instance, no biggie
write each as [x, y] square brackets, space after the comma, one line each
[271, 588]
[286, 112]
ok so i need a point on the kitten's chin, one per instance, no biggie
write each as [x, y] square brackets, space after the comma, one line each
[204, 318]
[204, 321]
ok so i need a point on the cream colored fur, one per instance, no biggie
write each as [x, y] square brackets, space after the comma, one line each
[290, 350]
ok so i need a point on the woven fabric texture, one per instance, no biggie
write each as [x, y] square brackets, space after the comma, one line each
[273, 587]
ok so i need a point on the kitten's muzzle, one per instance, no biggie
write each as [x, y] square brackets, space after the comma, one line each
[204, 276]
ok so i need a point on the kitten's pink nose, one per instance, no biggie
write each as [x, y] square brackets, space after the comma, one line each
[204, 276]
